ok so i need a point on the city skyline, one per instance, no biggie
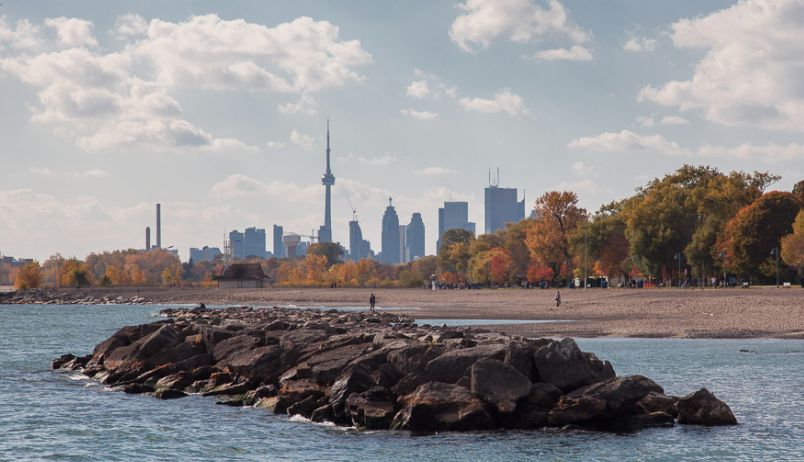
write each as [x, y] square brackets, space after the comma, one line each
[217, 110]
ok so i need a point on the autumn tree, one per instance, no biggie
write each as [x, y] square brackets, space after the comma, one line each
[756, 229]
[793, 245]
[513, 240]
[501, 265]
[332, 251]
[29, 276]
[558, 215]
[316, 266]
[454, 254]
[75, 272]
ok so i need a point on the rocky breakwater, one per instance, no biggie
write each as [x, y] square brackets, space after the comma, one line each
[382, 371]
[49, 296]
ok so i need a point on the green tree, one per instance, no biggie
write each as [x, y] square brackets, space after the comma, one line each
[453, 256]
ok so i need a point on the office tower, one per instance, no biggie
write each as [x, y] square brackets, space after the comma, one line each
[502, 206]
[454, 215]
[404, 256]
[279, 246]
[390, 235]
[158, 226]
[237, 241]
[359, 248]
[254, 242]
[415, 237]
[328, 180]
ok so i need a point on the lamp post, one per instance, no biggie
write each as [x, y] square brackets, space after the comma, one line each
[678, 257]
[775, 252]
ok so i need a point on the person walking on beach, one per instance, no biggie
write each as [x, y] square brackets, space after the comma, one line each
[558, 298]
[372, 301]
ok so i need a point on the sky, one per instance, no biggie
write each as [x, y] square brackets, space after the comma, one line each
[218, 110]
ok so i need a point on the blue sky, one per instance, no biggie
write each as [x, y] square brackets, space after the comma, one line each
[217, 110]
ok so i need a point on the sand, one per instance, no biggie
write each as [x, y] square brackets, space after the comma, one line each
[756, 312]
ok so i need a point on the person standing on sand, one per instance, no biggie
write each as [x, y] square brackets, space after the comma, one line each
[372, 301]
[558, 298]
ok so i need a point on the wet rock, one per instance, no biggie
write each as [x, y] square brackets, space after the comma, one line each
[371, 409]
[703, 408]
[438, 406]
[564, 365]
[498, 384]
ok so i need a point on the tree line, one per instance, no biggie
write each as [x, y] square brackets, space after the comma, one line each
[696, 222]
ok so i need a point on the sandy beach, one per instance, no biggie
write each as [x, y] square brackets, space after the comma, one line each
[670, 312]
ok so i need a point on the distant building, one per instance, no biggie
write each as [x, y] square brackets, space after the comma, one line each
[206, 253]
[454, 215]
[238, 242]
[279, 247]
[390, 235]
[242, 275]
[254, 242]
[502, 207]
[414, 237]
[404, 255]
[328, 180]
[359, 248]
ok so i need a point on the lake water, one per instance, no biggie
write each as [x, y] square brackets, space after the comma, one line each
[49, 415]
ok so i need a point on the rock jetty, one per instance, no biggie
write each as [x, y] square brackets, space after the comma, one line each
[383, 371]
[50, 296]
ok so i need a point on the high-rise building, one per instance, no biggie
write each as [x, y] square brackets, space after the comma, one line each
[390, 235]
[158, 226]
[502, 207]
[328, 180]
[359, 248]
[279, 247]
[254, 242]
[454, 215]
[207, 253]
[414, 237]
[238, 242]
[404, 255]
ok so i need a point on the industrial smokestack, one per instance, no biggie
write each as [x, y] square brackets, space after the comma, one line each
[147, 238]
[158, 226]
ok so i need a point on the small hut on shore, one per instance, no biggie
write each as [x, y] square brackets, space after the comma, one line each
[242, 275]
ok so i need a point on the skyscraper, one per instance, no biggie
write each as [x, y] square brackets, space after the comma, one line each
[279, 246]
[454, 215]
[328, 179]
[502, 207]
[158, 226]
[254, 242]
[238, 242]
[415, 236]
[359, 248]
[390, 235]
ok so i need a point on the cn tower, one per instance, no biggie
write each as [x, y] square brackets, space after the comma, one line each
[328, 179]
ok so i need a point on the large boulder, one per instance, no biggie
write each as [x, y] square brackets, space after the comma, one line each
[498, 384]
[620, 393]
[226, 349]
[576, 411]
[563, 364]
[259, 364]
[327, 366]
[355, 379]
[452, 365]
[438, 406]
[372, 409]
[703, 408]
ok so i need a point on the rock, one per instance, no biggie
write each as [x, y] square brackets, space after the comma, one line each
[703, 408]
[304, 407]
[326, 367]
[355, 379]
[564, 365]
[452, 365]
[438, 406]
[323, 414]
[498, 384]
[543, 395]
[578, 411]
[634, 423]
[177, 381]
[231, 389]
[656, 402]
[169, 393]
[371, 409]
[275, 404]
[225, 350]
[265, 391]
[259, 364]
[620, 393]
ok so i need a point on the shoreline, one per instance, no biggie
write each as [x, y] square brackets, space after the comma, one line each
[756, 312]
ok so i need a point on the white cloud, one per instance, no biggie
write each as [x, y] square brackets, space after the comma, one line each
[674, 120]
[504, 101]
[208, 52]
[583, 188]
[521, 21]
[640, 44]
[306, 142]
[385, 159]
[580, 169]
[434, 171]
[24, 35]
[423, 115]
[130, 24]
[238, 185]
[275, 145]
[576, 53]
[768, 153]
[305, 105]
[42, 171]
[94, 173]
[73, 31]
[629, 141]
[751, 73]
[418, 89]
[645, 121]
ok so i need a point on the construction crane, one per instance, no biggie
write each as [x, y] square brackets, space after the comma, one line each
[354, 210]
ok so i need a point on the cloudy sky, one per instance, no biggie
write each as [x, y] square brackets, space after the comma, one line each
[217, 110]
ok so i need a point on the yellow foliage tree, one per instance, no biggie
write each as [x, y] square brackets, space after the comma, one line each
[28, 276]
[75, 272]
[316, 268]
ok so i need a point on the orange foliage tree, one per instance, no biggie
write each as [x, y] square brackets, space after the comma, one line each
[548, 238]
[28, 276]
